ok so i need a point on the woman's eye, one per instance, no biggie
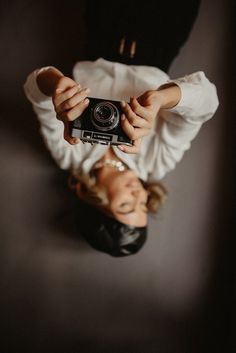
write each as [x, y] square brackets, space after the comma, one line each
[124, 204]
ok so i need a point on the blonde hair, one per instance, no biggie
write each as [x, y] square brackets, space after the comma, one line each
[87, 190]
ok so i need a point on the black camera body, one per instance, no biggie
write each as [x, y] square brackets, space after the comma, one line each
[100, 123]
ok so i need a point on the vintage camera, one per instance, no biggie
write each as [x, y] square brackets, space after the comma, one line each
[100, 123]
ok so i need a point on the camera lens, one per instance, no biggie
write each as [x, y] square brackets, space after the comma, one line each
[104, 112]
[105, 116]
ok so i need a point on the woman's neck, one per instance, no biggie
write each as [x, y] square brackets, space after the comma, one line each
[106, 173]
[110, 154]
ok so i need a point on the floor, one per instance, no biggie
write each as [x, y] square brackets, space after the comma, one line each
[59, 295]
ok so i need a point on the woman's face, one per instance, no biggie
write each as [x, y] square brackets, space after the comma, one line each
[127, 198]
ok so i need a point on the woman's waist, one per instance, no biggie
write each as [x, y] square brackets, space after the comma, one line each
[115, 80]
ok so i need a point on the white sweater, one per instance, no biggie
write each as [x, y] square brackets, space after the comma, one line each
[162, 148]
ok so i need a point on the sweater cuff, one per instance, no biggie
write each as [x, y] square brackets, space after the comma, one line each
[190, 88]
[32, 90]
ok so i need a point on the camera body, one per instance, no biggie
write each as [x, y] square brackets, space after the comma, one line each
[100, 123]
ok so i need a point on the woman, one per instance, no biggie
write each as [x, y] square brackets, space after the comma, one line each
[120, 185]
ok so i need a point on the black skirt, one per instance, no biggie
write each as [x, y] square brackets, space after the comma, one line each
[150, 33]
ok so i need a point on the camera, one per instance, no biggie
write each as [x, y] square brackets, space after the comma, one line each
[100, 123]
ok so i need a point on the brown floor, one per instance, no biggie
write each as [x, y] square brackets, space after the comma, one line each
[57, 294]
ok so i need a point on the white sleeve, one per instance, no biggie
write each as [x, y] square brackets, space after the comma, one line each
[66, 156]
[178, 126]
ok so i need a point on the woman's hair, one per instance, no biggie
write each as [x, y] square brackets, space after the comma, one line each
[86, 188]
[106, 234]
[102, 231]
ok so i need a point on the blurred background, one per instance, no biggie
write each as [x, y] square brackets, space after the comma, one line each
[56, 294]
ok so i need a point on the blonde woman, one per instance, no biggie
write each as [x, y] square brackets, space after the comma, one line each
[120, 185]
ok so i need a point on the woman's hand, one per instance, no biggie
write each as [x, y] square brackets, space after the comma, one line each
[138, 118]
[70, 100]
[140, 114]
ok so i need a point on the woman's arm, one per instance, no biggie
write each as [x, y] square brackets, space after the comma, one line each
[188, 100]
[67, 96]
[141, 113]
[40, 88]
[179, 125]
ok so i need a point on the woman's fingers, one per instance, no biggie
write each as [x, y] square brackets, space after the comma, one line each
[69, 100]
[139, 110]
[72, 101]
[71, 140]
[134, 108]
[132, 132]
[63, 89]
[131, 149]
[72, 114]
[60, 96]
[133, 118]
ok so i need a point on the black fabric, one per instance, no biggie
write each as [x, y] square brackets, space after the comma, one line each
[160, 28]
[108, 235]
